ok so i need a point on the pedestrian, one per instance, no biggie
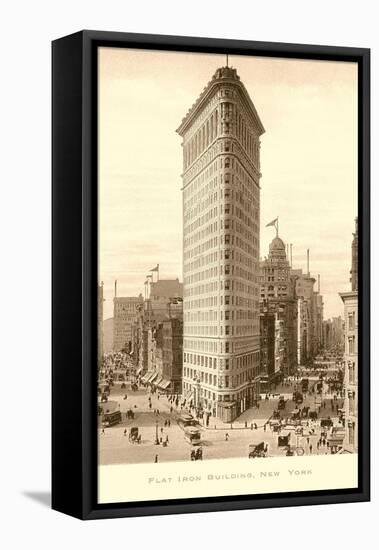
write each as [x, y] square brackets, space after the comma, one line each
[308, 440]
[166, 439]
[310, 448]
[125, 432]
[169, 423]
[161, 430]
[103, 431]
[156, 459]
[264, 427]
[226, 436]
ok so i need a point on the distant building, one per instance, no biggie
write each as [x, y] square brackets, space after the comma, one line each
[160, 294]
[333, 333]
[124, 314]
[350, 300]
[267, 353]
[100, 323]
[172, 355]
[318, 318]
[221, 221]
[156, 319]
[306, 330]
[278, 301]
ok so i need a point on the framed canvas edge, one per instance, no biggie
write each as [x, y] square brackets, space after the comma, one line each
[87, 453]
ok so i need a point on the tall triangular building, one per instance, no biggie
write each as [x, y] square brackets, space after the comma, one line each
[221, 221]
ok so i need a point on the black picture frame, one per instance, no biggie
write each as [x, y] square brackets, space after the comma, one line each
[74, 273]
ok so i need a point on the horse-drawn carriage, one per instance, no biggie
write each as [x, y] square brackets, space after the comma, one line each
[134, 436]
[257, 451]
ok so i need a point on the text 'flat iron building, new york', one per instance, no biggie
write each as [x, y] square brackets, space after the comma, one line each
[221, 223]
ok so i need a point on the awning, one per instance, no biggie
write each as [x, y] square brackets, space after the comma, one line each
[146, 376]
[139, 370]
[157, 382]
[152, 376]
[189, 396]
[164, 384]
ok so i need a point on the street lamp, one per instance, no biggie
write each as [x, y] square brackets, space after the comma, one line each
[156, 433]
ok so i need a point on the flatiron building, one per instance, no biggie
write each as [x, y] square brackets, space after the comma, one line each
[221, 223]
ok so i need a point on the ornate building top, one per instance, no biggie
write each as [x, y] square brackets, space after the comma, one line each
[223, 75]
[277, 249]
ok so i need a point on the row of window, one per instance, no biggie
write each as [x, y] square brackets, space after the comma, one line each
[214, 346]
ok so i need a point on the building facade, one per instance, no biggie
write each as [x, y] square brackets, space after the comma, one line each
[100, 324]
[162, 293]
[350, 301]
[306, 331]
[333, 334]
[221, 224]
[124, 314]
[172, 370]
[278, 299]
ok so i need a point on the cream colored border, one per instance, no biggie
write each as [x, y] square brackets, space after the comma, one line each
[225, 477]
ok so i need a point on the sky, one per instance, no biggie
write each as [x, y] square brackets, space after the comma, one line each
[308, 162]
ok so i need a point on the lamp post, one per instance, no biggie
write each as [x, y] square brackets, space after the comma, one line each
[156, 433]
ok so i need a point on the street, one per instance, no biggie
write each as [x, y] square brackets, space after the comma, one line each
[218, 440]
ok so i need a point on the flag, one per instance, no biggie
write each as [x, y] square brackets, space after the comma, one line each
[156, 268]
[272, 223]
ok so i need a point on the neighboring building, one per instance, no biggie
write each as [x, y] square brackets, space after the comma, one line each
[108, 335]
[333, 333]
[267, 352]
[124, 314]
[172, 356]
[306, 332]
[161, 293]
[350, 300]
[278, 300]
[100, 324]
[150, 348]
[221, 223]
[318, 318]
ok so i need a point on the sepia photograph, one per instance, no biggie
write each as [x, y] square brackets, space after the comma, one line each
[227, 318]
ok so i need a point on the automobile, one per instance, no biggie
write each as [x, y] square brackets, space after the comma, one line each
[133, 434]
[326, 422]
[297, 397]
[283, 440]
[281, 404]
